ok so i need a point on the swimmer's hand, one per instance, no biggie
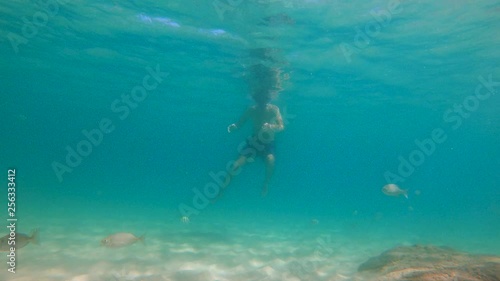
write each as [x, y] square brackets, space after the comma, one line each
[231, 128]
[267, 127]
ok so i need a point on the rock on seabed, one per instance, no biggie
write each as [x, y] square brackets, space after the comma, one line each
[430, 263]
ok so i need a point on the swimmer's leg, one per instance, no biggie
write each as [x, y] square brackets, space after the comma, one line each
[242, 160]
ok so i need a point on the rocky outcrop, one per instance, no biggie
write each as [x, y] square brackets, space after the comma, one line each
[430, 263]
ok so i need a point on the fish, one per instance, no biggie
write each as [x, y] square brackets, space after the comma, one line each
[21, 241]
[394, 190]
[121, 239]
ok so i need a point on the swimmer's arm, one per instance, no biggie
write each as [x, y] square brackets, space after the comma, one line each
[243, 119]
[277, 126]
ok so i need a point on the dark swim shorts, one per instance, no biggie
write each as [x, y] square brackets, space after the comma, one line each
[256, 146]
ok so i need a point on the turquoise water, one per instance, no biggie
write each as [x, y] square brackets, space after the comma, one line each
[363, 84]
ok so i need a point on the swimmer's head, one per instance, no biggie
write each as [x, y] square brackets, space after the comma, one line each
[264, 82]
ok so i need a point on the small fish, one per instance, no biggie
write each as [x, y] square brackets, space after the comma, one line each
[120, 239]
[394, 190]
[21, 241]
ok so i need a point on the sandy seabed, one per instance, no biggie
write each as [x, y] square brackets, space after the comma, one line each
[219, 250]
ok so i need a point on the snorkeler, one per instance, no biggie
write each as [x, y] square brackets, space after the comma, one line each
[267, 120]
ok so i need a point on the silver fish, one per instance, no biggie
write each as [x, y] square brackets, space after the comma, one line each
[120, 239]
[394, 190]
[21, 241]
